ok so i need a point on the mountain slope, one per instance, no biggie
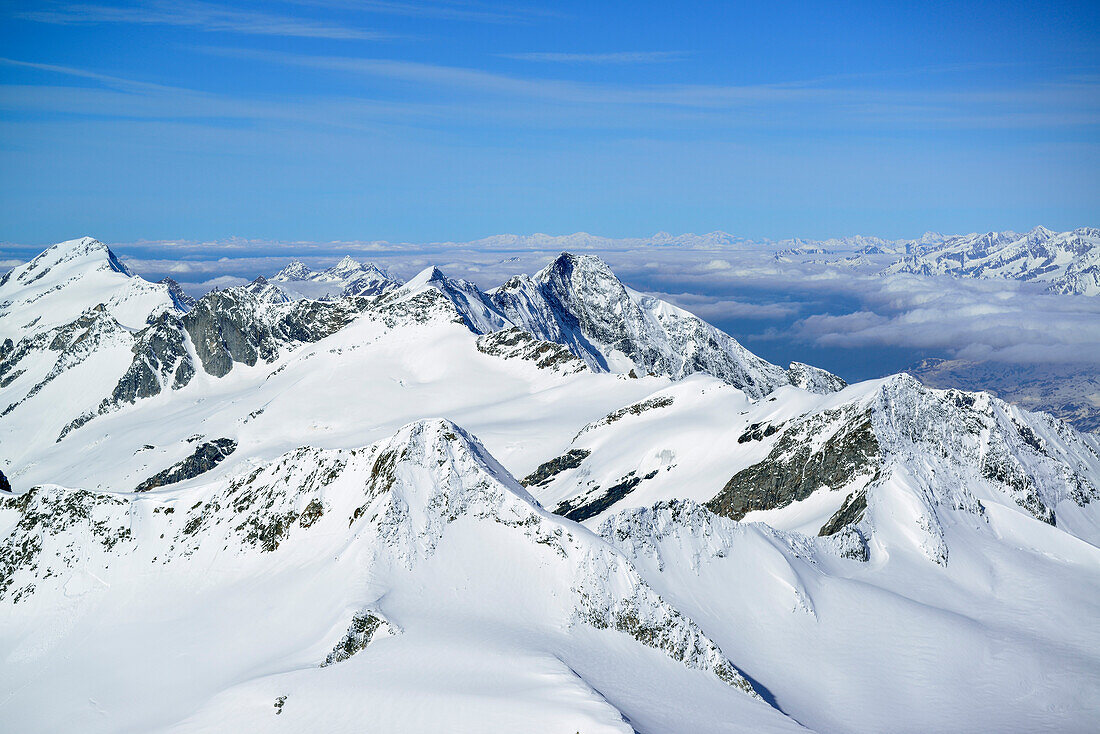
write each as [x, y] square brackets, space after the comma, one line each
[61, 283]
[238, 513]
[576, 301]
[815, 463]
[421, 536]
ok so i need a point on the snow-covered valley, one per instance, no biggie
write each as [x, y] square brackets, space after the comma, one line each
[338, 502]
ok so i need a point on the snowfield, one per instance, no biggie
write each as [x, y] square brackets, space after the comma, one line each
[336, 502]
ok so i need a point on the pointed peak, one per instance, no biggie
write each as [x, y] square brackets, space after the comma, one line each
[294, 270]
[449, 443]
[265, 291]
[567, 266]
[430, 274]
[182, 301]
[346, 266]
[83, 249]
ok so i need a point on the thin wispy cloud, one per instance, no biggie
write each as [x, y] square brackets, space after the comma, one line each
[120, 112]
[441, 9]
[105, 79]
[619, 57]
[1053, 104]
[199, 16]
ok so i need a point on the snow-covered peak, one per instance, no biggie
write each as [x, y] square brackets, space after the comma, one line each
[70, 277]
[295, 270]
[569, 272]
[83, 251]
[347, 267]
[371, 280]
[814, 379]
[578, 301]
[430, 274]
[474, 307]
[183, 301]
[346, 278]
[423, 530]
[266, 292]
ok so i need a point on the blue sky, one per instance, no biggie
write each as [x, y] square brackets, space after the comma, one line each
[337, 120]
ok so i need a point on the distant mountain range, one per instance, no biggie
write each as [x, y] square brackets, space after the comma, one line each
[1066, 262]
[345, 278]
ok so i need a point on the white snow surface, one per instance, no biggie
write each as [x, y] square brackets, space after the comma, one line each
[364, 556]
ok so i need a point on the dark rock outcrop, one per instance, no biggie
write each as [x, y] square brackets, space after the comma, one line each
[516, 343]
[360, 632]
[161, 359]
[580, 509]
[850, 513]
[569, 460]
[207, 456]
[793, 470]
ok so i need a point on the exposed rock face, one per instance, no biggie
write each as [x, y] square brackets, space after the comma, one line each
[266, 292]
[593, 502]
[577, 301]
[225, 327]
[660, 401]
[161, 360]
[364, 625]
[371, 281]
[794, 469]
[182, 301]
[206, 457]
[850, 513]
[235, 325]
[569, 460]
[515, 343]
[971, 438]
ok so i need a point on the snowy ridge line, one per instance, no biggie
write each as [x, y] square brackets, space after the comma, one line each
[575, 302]
[391, 504]
[884, 462]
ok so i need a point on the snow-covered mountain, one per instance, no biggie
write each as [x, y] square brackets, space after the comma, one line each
[1068, 262]
[253, 513]
[576, 301]
[381, 583]
[346, 278]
